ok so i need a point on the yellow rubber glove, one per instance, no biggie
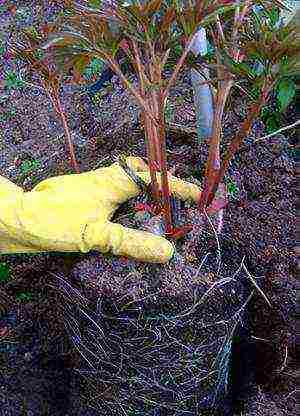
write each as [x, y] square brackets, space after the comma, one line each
[73, 212]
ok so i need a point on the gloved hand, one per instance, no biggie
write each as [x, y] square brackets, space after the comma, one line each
[73, 212]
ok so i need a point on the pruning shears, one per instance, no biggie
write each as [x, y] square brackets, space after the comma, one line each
[177, 232]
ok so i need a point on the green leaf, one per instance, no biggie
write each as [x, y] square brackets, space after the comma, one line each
[257, 20]
[219, 12]
[255, 91]
[238, 68]
[5, 273]
[23, 296]
[11, 80]
[31, 30]
[39, 54]
[232, 188]
[28, 166]
[286, 91]
[152, 31]
[94, 68]
[271, 119]
[274, 16]
[22, 13]
[95, 3]
[169, 111]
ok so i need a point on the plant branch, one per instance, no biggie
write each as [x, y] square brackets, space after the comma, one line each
[213, 162]
[235, 144]
[290, 126]
[163, 166]
[214, 172]
[156, 110]
[178, 66]
[115, 67]
[54, 98]
[220, 29]
[149, 131]
[140, 71]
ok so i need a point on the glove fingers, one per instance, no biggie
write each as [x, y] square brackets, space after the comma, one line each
[182, 189]
[123, 241]
[178, 187]
[137, 164]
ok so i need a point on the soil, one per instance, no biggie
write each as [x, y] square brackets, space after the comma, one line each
[38, 356]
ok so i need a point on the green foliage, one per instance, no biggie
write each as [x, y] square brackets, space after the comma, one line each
[153, 35]
[5, 273]
[32, 30]
[271, 119]
[276, 48]
[274, 17]
[8, 115]
[31, 52]
[95, 3]
[164, 23]
[169, 111]
[270, 17]
[286, 90]
[24, 296]
[13, 81]
[39, 54]
[241, 69]
[232, 188]
[28, 166]
[22, 13]
[94, 68]
[271, 54]
[3, 9]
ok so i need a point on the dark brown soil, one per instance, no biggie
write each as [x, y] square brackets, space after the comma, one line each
[258, 226]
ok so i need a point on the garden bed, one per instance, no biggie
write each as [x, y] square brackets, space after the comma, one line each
[257, 226]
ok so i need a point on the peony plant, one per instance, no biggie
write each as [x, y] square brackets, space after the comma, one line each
[148, 33]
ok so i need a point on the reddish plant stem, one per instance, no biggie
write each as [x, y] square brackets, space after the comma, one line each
[163, 166]
[155, 142]
[69, 139]
[116, 68]
[213, 162]
[213, 175]
[234, 146]
[155, 109]
[152, 157]
[54, 97]
[178, 66]
[150, 140]
[158, 107]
